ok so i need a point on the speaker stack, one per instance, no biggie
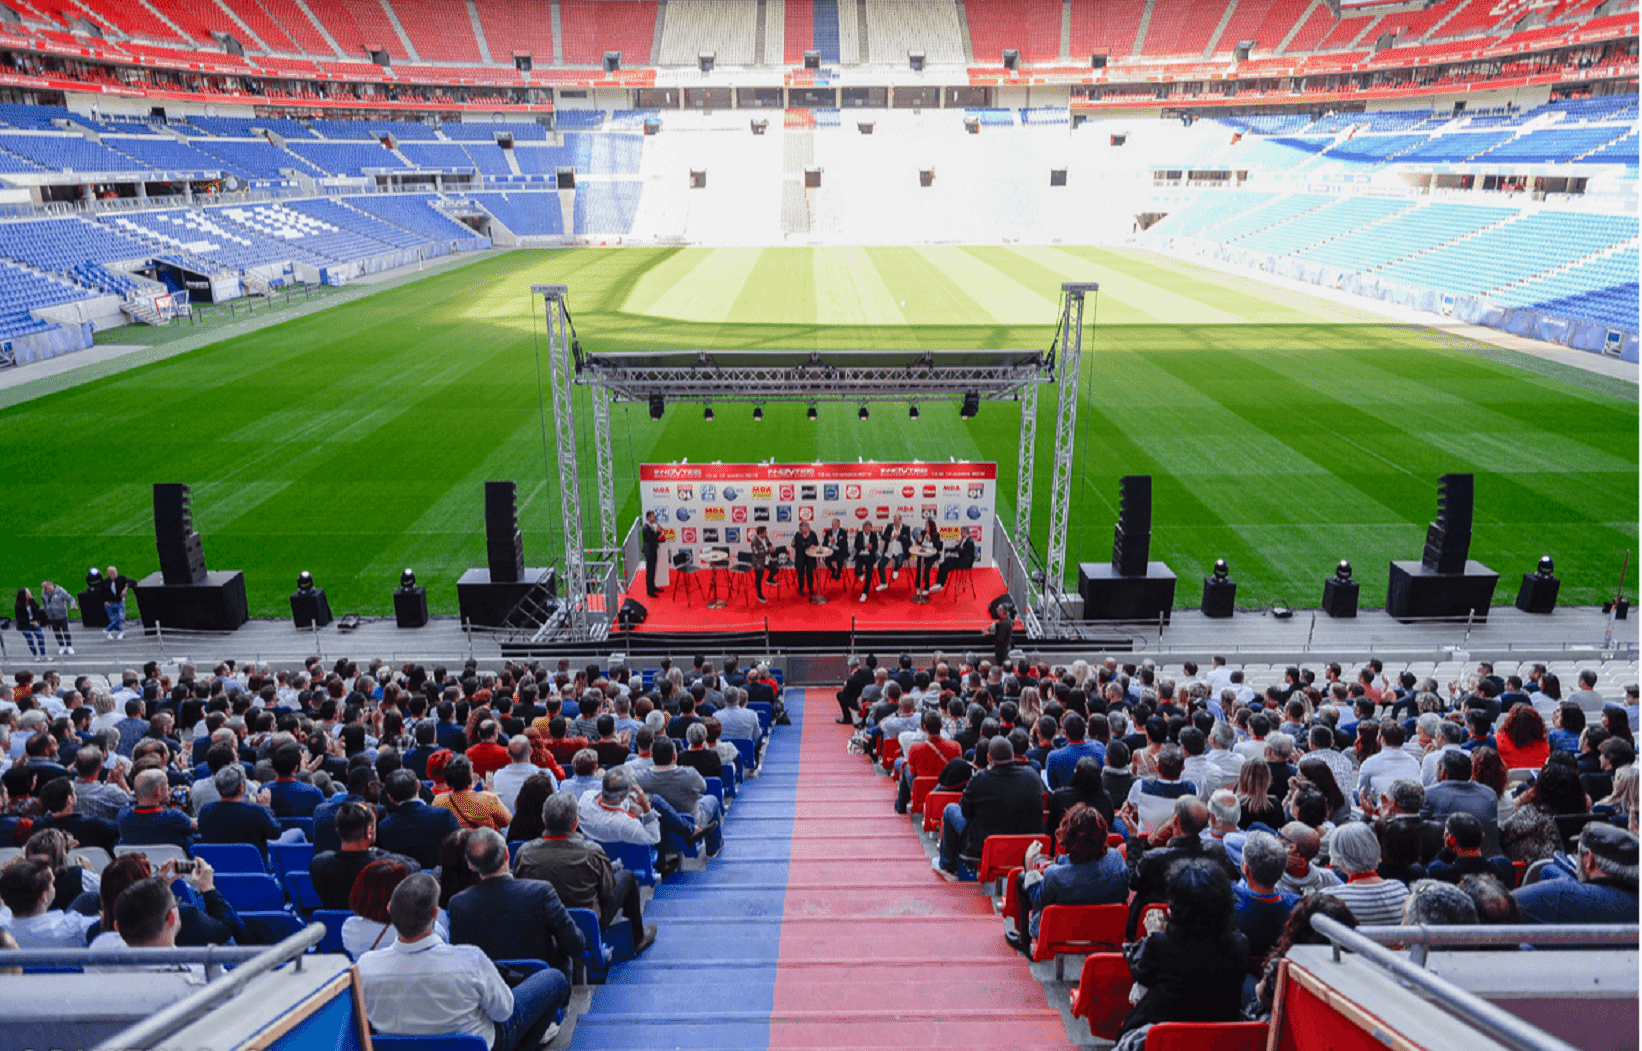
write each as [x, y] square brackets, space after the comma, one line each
[184, 594]
[486, 596]
[1132, 587]
[1445, 583]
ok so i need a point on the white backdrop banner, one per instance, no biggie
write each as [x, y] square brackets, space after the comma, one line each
[699, 506]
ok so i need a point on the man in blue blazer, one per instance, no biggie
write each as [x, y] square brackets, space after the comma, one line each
[413, 828]
[512, 919]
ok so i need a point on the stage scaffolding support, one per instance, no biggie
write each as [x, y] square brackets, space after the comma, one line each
[808, 377]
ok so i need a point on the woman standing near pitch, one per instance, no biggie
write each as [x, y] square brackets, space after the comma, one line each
[29, 618]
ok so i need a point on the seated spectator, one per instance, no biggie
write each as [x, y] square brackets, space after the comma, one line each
[1391, 763]
[1224, 813]
[334, 871]
[1530, 833]
[454, 874]
[698, 757]
[1480, 727]
[1567, 723]
[1190, 965]
[1322, 750]
[1279, 756]
[212, 921]
[1303, 874]
[1262, 909]
[147, 916]
[473, 809]
[232, 819]
[1296, 931]
[488, 755]
[1151, 801]
[519, 769]
[1603, 888]
[1449, 737]
[1313, 772]
[562, 746]
[73, 877]
[1115, 776]
[1146, 757]
[1354, 852]
[584, 766]
[1085, 787]
[1087, 872]
[149, 820]
[1615, 753]
[527, 814]
[1492, 899]
[1006, 799]
[1522, 742]
[1401, 847]
[1619, 806]
[1436, 903]
[1062, 761]
[683, 790]
[28, 888]
[513, 919]
[370, 927]
[1254, 799]
[927, 758]
[611, 752]
[413, 828]
[1462, 854]
[1456, 792]
[94, 797]
[58, 798]
[1151, 857]
[422, 986]
[1227, 764]
[289, 797]
[580, 871]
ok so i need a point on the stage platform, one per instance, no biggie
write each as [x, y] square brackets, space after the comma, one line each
[957, 609]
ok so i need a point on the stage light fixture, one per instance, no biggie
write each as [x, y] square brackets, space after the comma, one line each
[305, 581]
[758, 414]
[810, 414]
[1546, 567]
[407, 579]
[863, 414]
[971, 405]
[1282, 612]
[657, 405]
[1343, 570]
[1221, 570]
[707, 415]
[912, 412]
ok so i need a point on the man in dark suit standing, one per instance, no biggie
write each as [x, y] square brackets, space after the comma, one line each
[849, 698]
[802, 541]
[1005, 799]
[513, 919]
[651, 540]
[413, 828]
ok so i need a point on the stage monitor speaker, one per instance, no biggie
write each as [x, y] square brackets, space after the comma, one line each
[864, 127]
[182, 560]
[1132, 540]
[1241, 51]
[632, 613]
[410, 607]
[504, 544]
[1057, 176]
[812, 60]
[704, 60]
[926, 176]
[1448, 539]
[1004, 599]
[1538, 593]
[1219, 597]
[310, 608]
[1340, 597]
[812, 178]
[698, 179]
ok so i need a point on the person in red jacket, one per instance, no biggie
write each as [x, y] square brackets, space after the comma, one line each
[487, 756]
[927, 758]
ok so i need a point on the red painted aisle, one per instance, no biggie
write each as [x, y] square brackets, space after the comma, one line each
[879, 952]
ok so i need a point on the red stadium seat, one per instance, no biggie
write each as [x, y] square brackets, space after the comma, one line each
[935, 805]
[1001, 853]
[1521, 869]
[1078, 929]
[889, 750]
[1206, 1036]
[1156, 906]
[1102, 994]
[1012, 903]
[921, 788]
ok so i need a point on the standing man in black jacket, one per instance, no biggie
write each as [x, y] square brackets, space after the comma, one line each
[802, 541]
[651, 541]
[115, 587]
[849, 698]
[1005, 799]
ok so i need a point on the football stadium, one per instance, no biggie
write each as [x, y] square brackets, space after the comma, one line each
[878, 517]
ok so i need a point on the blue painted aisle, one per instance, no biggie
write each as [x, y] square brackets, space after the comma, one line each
[709, 980]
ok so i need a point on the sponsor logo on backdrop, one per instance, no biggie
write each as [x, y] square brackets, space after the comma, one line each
[892, 471]
[883, 510]
[949, 488]
[732, 535]
[731, 492]
[675, 471]
[668, 535]
[783, 513]
[929, 492]
[852, 492]
[763, 492]
[829, 491]
[950, 513]
[861, 512]
[683, 514]
[926, 510]
[883, 490]
[787, 493]
[661, 490]
[806, 492]
[709, 492]
[974, 513]
[686, 492]
[761, 514]
[738, 513]
[709, 536]
[713, 514]
[909, 491]
[951, 533]
[661, 515]
[977, 490]
[806, 513]
[903, 509]
[975, 533]
[688, 536]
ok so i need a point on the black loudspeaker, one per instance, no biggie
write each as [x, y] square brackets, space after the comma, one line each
[410, 607]
[1219, 597]
[698, 179]
[1057, 176]
[1132, 540]
[1097, 61]
[182, 560]
[310, 609]
[812, 60]
[1340, 597]
[92, 613]
[504, 545]
[1011, 58]
[632, 613]
[1538, 593]
[1448, 539]
[1002, 600]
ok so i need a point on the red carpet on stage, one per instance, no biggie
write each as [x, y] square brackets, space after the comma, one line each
[955, 609]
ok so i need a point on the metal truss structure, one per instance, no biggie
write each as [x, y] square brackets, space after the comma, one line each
[808, 377]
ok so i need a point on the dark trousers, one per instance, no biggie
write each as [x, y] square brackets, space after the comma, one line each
[650, 574]
[758, 578]
[806, 576]
[625, 902]
[863, 569]
[847, 707]
[926, 567]
[946, 567]
[835, 565]
[59, 628]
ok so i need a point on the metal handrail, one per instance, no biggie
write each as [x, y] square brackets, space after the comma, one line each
[1461, 1002]
[1422, 939]
[156, 1028]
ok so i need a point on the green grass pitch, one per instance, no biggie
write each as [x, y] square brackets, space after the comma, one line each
[1284, 432]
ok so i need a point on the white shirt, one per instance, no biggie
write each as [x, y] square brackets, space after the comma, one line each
[52, 929]
[1202, 773]
[360, 936]
[1228, 763]
[99, 723]
[430, 988]
[1251, 749]
[110, 941]
[511, 778]
[1428, 768]
[740, 723]
[1218, 679]
[1339, 764]
[1384, 767]
[615, 824]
